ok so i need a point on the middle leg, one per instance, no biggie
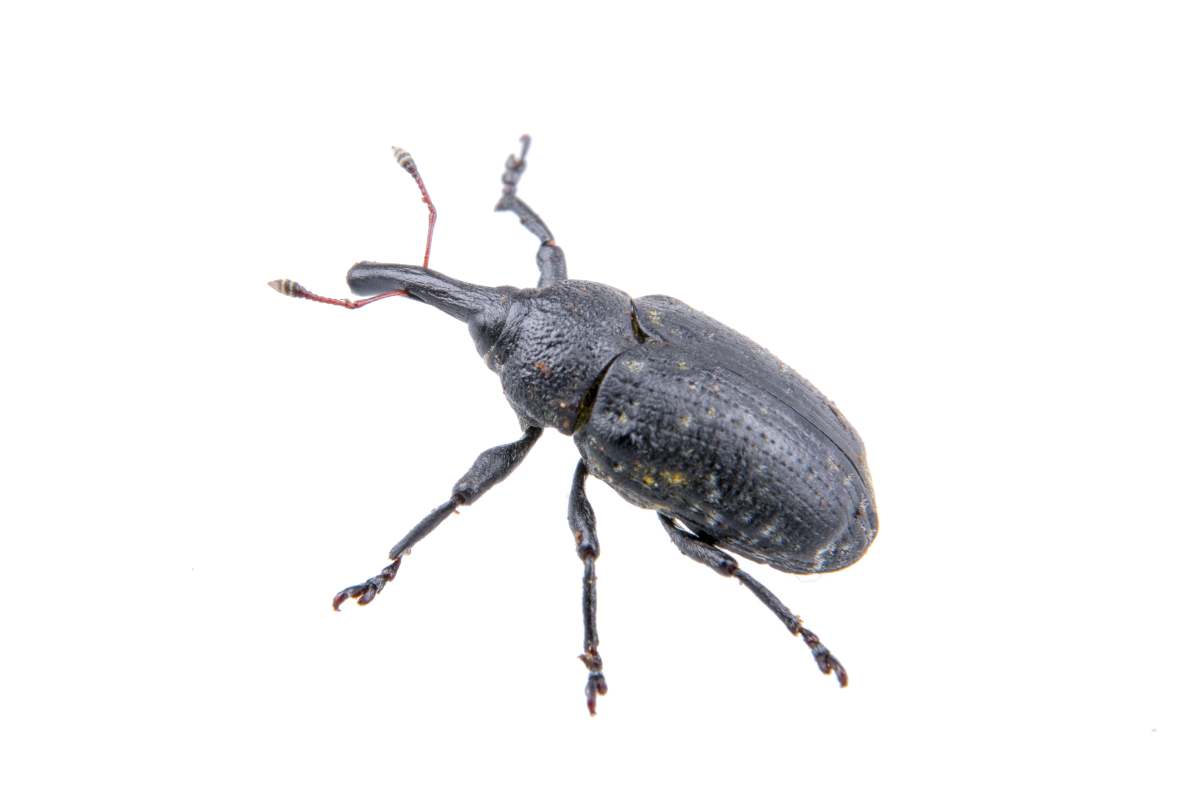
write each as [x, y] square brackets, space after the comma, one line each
[583, 524]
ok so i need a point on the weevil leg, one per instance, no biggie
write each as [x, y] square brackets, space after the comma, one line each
[550, 259]
[583, 524]
[697, 549]
[406, 161]
[492, 466]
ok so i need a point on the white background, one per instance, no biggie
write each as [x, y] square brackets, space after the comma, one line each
[974, 227]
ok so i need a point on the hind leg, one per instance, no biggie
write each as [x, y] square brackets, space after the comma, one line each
[550, 259]
[697, 549]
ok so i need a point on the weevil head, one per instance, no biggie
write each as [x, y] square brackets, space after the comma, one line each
[549, 346]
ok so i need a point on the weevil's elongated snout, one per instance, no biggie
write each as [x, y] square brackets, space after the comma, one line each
[483, 307]
[459, 299]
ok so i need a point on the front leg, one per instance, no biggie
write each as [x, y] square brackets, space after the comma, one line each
[583, 524]
[552, 264]
[491, 467]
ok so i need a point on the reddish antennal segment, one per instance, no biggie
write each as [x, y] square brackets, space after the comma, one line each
[293, 289]
[405, 160]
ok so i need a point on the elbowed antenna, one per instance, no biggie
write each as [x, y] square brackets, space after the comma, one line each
[290, 288]
[293, 289]
[405, 160]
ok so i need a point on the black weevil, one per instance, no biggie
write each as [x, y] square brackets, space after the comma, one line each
[680, 414]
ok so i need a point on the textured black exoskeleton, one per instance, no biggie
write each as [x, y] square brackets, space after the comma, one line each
[678, 413]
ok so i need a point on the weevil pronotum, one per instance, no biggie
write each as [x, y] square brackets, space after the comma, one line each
[678, 413]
